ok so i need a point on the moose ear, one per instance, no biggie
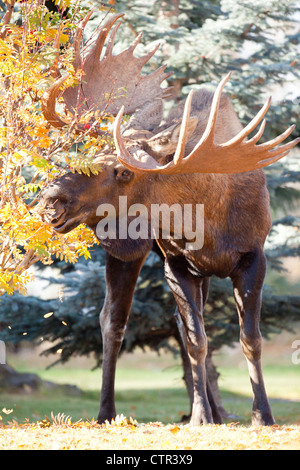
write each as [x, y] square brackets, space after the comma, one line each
[165, 142]
[123, 175]
[193, 121]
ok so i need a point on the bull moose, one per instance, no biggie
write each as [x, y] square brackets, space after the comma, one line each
[200, 154]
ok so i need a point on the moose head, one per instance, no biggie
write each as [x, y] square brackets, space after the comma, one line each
[145, 145]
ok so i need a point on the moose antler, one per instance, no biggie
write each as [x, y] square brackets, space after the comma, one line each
[106, 84]
[235, 156]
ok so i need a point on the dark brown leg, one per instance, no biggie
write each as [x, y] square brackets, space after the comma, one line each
[248, 282]
[121, 279]
[186, 289]
[188, 377]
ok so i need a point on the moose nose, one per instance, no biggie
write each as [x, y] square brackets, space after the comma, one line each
[57, 217]
[52, 212]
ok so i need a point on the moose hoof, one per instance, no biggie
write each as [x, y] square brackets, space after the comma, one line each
[197, 420]
[262, 419]
[105, 417]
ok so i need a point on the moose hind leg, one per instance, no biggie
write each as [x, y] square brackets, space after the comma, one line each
[188, 377]
[185, 289]
[248, 283]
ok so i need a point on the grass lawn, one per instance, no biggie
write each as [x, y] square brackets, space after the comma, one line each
[153, 396]
[152, 393]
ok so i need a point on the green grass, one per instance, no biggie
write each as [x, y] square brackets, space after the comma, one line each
[150, 390]
[153, 394]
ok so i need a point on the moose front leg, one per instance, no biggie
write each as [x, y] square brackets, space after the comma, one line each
[121, 279]
[248, 282]
[186, 289]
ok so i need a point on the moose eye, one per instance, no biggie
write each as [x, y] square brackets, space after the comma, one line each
[123, 175]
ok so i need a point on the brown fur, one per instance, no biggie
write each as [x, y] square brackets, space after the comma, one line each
[236, 223]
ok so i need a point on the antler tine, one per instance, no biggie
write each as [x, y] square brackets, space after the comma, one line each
[123, 154]
[136, 41]
[48, 109]
[77, 40]
[50, 96]
[117, 134]
[111, 41]
[279, 152]
[179, 154]
[106, 78]
[95, 52]
[49, 101]
[168, 92]
[209, 132]
[258, 135]
[251, 126]
[269, 161]
[277, 140]
[145, 58]
[207, 138]
[54, 70]
[235, 156]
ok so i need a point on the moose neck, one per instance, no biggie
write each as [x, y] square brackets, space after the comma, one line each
[225, 200]
[208, 189]
[136, 209]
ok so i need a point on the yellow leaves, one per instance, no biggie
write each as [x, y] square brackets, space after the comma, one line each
[33, 153]
[30, 187]
[5, 213]
[41, 137]
[20, 227]
[122, 421]
[64, 38]
[63, 4]
[44, 423]
[60, 432]
[70, 246]
[47, 315]
[175, 430]
[5, 49]
[2, 136]
[19, 157]
[10, 282]
[49, 34]
[5, 279]
[83, 164]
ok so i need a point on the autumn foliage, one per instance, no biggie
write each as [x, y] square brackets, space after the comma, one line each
[60, 433]
[32, 153]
